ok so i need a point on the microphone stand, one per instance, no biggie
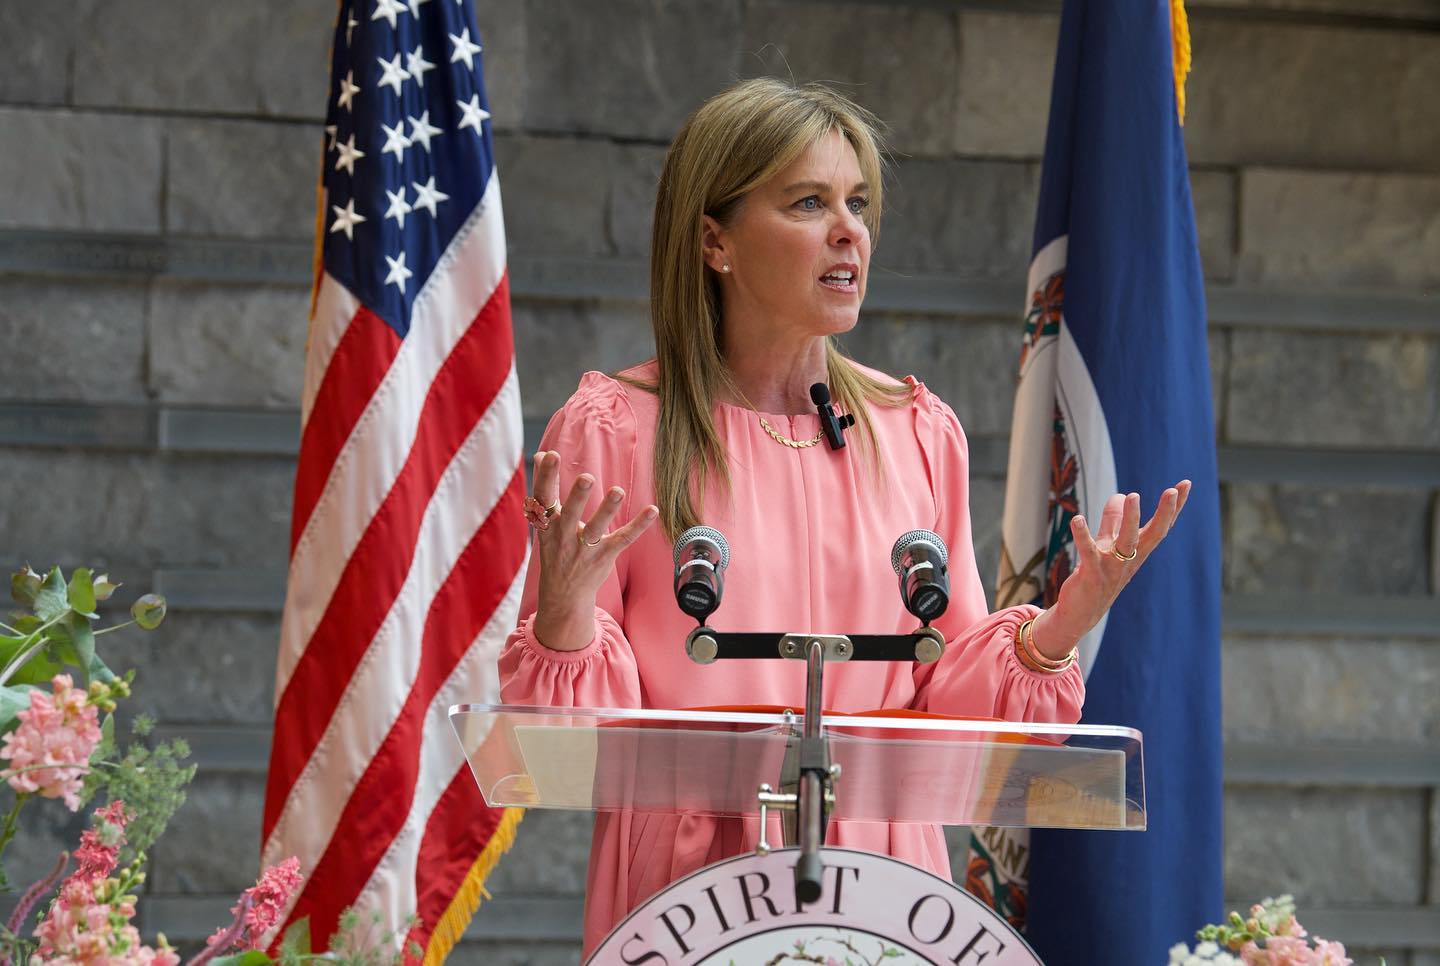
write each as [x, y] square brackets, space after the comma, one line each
[807, 776]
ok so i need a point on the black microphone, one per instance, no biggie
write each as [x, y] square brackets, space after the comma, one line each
[919, 560]
[701, 556]
[831, 425]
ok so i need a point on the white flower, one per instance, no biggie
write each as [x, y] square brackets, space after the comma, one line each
[1205, 954]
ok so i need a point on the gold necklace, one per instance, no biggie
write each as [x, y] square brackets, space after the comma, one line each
[792, 443]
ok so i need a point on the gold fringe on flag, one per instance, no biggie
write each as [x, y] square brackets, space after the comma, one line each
[467, 899]
[317, 257]
[1180, 45]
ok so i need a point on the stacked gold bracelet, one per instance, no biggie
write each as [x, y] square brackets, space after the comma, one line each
[1030, 657]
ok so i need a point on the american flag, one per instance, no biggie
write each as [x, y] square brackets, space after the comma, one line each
[408, 544]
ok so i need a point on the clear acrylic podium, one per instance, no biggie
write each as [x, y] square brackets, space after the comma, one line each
[892, 767]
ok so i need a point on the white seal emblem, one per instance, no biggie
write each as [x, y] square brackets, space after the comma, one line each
[874, 909]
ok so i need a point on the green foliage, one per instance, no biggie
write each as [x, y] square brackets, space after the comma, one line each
[81, 593]
[148, 611]
[106, 748]
[251, 957]
[296, 942]
[9, 648]
[82, 642]
[361, 941]
[357, 942]
[51, 600]
[1269, 918]
[9, 830]
[56, 632]
[27, 623]
[104, 588]
[13, 700]
[43, 665]
[150, 781]
[24, 585]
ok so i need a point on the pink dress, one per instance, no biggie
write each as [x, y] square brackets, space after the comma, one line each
[818, 506]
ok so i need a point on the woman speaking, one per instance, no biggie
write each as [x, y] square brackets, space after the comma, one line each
[768, 205]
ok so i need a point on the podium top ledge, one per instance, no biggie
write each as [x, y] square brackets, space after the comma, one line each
[877, 719]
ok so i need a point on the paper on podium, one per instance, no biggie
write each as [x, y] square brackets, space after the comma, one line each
[896, 766]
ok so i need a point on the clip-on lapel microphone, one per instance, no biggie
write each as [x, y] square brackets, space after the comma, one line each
[831, 425]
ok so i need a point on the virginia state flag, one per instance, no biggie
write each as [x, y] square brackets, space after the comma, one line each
[1114, 396]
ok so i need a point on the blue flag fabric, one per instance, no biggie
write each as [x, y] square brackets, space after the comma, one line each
[1115, 188]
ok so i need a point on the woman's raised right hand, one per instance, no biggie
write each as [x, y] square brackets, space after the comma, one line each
[576, 555]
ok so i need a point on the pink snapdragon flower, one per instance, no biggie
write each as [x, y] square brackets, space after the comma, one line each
[89, 921]
[1270, 936]
[100, 844]
[1294, 951]
[1331, 953]
[50, 748]
[87, 926]
[1280, 920]
[268, 898]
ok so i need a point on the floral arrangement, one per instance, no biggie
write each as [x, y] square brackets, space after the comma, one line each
[1269, 936]
[57, 741]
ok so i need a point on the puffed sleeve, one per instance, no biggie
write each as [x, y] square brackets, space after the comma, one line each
[595, 433]
[979, 673]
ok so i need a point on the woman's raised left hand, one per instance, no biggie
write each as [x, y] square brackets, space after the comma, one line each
[1105, 563]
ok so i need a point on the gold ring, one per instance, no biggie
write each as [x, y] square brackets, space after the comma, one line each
[580, 535]
[1120, 556]
[539, 516]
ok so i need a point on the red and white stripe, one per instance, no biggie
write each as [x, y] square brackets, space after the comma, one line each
[408, 551]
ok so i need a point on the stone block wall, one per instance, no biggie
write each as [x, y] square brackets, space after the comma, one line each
[157, 169]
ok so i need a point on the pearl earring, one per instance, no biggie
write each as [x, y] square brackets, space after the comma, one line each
[725, 267]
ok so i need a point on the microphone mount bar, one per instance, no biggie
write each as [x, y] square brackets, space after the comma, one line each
[705, 645]
[807, 776]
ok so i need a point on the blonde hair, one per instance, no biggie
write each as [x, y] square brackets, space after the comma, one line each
[735, 141]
